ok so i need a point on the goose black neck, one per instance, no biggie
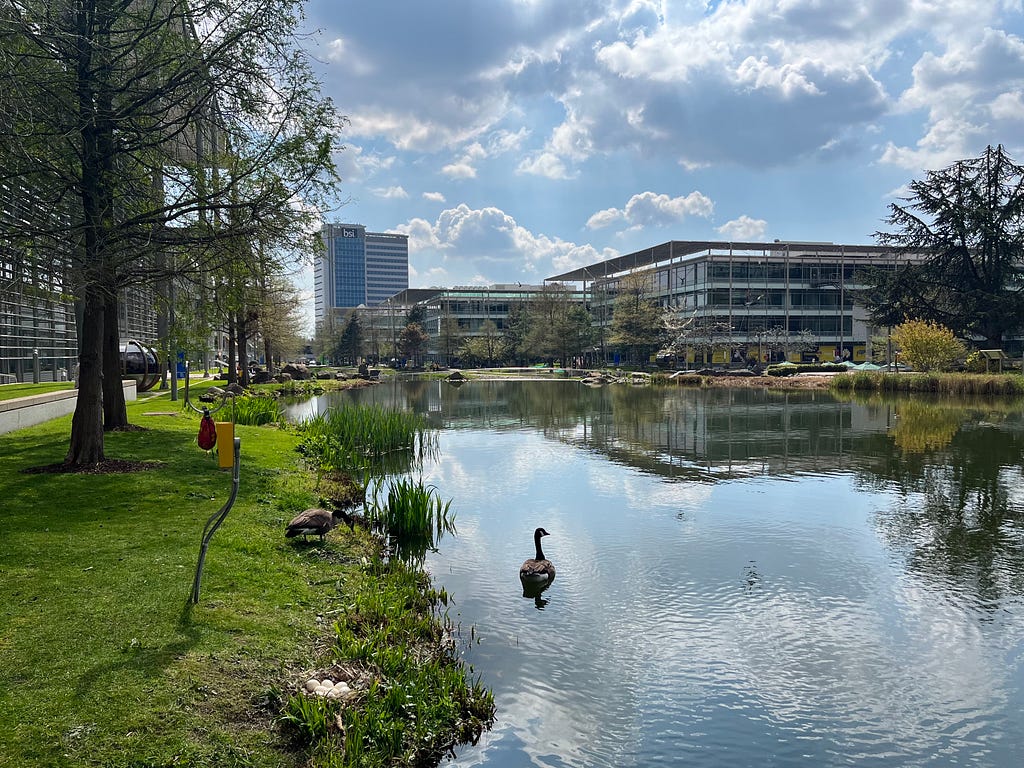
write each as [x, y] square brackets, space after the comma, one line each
[540, 552]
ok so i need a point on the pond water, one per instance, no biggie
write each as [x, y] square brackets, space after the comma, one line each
[744, 578]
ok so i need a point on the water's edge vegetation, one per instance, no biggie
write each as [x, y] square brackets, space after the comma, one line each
[104, 663]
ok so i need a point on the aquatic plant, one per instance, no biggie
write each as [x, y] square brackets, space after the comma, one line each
[256, 410]
[421, 701]
[417, 701]
[943, 383]
[411, 514]
[367, 440]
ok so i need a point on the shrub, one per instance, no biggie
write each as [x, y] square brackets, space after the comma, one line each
[928, 346]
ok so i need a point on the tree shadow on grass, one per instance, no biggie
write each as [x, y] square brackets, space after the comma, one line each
[149, 661]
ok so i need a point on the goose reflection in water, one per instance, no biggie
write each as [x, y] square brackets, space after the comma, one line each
[533, 590]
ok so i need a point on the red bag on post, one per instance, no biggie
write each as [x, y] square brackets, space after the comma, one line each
[207, 432]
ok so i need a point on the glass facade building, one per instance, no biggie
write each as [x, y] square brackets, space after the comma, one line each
[38, 328]
[450, 316]
[752, 294]
[358, 268]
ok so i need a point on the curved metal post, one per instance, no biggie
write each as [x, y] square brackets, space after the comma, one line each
[223, 394]
[214, 522]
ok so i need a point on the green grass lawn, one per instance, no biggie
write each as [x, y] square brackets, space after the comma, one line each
[102, 662]
[11, 391]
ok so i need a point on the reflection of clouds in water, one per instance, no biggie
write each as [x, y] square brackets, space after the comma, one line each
[654, 634]
[643, 494]
[1012, 478]
[808, 654]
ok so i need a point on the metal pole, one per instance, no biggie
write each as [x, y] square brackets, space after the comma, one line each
[214, 522]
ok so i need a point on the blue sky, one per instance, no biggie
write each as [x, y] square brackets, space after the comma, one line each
[516, 139]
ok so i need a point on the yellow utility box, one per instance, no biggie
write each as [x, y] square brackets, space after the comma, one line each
[226, 444]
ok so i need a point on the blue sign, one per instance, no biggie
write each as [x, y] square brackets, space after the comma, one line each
[181, 365]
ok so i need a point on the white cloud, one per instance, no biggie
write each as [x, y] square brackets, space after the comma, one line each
[340, 52]
[465, 166]
[655, 210]
[354, 164]
[459, 170]
[744, 229]
[487, 242]
[544, 164]
[1008, 106]
[409, 131]
[971, 93]
[391, 193]
[500, 142]
[737, 99]
[605, 218]
[649, 208]
[753, 82]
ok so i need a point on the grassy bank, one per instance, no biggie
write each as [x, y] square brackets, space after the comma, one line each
[103, 663]
[940, 383]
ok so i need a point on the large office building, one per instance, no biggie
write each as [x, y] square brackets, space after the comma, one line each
[450, 316]
[750, 300]
[735, 303]
[358, 268]
[38, 323]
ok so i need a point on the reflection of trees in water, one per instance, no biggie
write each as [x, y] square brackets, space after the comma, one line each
[924, 426]
[959, 515]
[955, 467]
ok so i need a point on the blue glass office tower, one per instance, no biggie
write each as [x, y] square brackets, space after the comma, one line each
[359, 268]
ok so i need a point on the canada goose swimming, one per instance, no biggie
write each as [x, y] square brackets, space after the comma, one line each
[539, 568]
[315, 521]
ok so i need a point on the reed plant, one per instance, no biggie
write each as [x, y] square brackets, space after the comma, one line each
[411, 514]
[366, 440]
[256, 410]
[962, 384]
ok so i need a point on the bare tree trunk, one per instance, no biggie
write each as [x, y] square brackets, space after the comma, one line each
[268, 352]
[232, 367]
[242, 339]
[86, 445]
[115, 411]
[96, 131]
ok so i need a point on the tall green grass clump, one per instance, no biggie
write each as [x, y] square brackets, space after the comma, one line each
[366, 440]
[858, 381]
[256, 411]
[961, 384]
[411, 514]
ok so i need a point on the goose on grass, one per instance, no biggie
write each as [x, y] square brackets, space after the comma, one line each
[315, 521]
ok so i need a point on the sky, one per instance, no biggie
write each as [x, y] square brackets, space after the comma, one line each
[513, 140]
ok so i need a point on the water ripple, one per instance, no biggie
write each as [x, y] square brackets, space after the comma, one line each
[750, 630]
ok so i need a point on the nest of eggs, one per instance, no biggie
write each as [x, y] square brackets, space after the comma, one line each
[337, 683]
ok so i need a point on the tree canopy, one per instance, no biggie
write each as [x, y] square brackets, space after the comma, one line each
[637, 325]
[350, 344]
[959, 236]
[161, 139]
